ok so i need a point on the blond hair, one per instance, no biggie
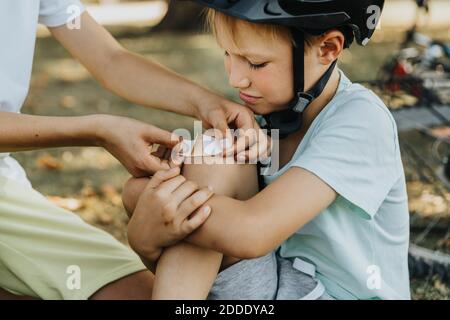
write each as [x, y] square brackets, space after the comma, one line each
[232, 24]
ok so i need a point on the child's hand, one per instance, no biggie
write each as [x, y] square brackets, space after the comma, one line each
[169, 209]
[130, 140]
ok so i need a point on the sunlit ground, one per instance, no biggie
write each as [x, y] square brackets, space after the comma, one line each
[89, 181]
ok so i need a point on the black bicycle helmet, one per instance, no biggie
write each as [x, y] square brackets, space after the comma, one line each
[311, 16]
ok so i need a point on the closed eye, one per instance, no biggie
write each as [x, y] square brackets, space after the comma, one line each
[251, 65]
[257, 66]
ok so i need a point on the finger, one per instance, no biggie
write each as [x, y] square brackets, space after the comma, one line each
[167, 153]
[221, 125]
[161, 176]
[245, 140]
[177, 155]
[250, 155]
[176, 163]
[260, 151]
[163, 153]
[265, 151]
[153, 164]
[195, 201]
[159, 152]
[184, 191]
[245, 119]
[170, 185]
[197, 220]
[216, 118]
[177, 196]
[160, 136]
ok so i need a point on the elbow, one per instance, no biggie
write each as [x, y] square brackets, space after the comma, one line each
[250, 244]
[107, 77]
[253, 250]
[250, 251]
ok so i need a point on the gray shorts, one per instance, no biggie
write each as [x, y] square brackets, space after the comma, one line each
[267, 278]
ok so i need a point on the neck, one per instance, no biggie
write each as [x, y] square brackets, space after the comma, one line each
[313, 110]
[321, 101]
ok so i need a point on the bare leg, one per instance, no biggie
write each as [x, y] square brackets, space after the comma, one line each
[186, 271]
[193, 278]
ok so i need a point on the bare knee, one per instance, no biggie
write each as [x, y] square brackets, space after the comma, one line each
[239, 181]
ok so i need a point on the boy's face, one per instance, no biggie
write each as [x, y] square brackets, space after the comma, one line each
[260, 67]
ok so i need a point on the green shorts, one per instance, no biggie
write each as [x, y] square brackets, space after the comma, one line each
[50, 253]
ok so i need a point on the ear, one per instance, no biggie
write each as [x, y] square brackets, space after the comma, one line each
[331, 46]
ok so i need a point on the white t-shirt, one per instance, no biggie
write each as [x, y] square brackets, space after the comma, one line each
[359, 244]
[18, 25]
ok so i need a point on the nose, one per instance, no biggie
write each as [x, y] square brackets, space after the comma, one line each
[237, 77]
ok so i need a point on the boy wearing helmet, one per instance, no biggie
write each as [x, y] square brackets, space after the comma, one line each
[333, 222]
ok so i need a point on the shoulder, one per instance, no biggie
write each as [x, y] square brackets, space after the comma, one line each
[357, 119]
[361, 108]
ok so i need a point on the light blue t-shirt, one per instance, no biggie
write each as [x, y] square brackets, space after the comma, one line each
[359, 244]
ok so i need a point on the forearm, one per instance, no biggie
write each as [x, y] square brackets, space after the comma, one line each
[230, 229]
[19, 132]
[128, 75]
[147, 83]
[252, 228]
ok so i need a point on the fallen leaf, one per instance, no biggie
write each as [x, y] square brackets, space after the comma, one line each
[68, 102]
[111, 194]
[88, 191]
[71, 204]
[48, 162]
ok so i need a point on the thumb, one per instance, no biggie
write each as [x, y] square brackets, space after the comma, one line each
[219, 122]
[217, 119]
[245, 120]
[221, 125]
[154, 164]
[162, 137]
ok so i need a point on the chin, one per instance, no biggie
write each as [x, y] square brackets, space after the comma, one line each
[263, 110]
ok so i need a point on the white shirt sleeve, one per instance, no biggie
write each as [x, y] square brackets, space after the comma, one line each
[355, 151]
[54, 13]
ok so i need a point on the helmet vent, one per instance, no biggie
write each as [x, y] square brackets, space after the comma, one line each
[268, 9]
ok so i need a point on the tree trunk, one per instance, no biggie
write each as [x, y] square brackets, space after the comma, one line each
[182, 16]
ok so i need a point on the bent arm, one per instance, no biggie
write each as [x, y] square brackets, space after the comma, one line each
[253, 228]
[126, 74]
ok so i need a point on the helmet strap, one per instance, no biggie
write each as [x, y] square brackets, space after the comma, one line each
[290, 120]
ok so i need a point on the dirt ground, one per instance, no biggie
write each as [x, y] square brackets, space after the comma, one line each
[89, 181]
